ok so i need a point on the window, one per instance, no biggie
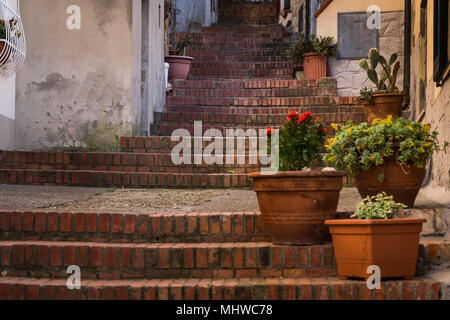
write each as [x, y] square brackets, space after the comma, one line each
[287, 4]
[301, 22]
[440, 41]
[355, 39]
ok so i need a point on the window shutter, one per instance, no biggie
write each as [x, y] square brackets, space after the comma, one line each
[440, 53]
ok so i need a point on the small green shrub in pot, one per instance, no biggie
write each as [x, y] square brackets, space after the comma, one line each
[381, 206]
[313, 44]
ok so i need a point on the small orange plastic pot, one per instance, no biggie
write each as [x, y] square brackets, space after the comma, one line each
[392, 245]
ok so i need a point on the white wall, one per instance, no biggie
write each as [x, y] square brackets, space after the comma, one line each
[7, 113]
[7, 97]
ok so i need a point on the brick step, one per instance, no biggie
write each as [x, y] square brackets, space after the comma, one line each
[123, 162]
[132, 227]
[231, 77]
[202, 37]
[266, 111]
[247, 93]
[202, 54]
[168, 128]
[223, 119]
[244, 84]
[281, 44]
[244, 29]
[241, 65]
[172, 228]
[262, 101]
[198, 73]
[228, 289]
[232, 58]
[166, 260]
[83, 178]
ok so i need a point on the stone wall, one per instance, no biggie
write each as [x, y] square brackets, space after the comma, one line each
[195, 14]
[349, 75]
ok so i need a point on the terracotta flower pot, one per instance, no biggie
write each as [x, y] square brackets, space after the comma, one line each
[384, 105]
[179, 67]
[403, 186]
[393, 245]
[295, 205]
[315, 66]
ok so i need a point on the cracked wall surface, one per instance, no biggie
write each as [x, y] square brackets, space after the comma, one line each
[75, 88]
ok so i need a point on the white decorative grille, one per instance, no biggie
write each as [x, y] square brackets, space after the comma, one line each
[12, 38]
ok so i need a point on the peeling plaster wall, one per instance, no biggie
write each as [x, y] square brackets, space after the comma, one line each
[75, 89]
[7, 113]
[195, 13]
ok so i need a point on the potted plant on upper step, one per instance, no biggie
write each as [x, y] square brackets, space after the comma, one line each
[389, 156]
[313, 53]
[376, 238]
[14, 35]
[387, 99]
[296, 201]
[180, 64]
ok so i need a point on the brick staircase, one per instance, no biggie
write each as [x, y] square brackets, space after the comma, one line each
[240, 80]
[218, 256]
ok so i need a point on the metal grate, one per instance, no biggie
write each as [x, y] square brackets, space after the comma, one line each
[12, 38]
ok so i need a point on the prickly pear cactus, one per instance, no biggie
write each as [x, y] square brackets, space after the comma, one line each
[389, 70]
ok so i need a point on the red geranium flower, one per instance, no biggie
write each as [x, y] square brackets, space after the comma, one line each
[325, 130]
[308, 115]
[301, 119]
[269, 132]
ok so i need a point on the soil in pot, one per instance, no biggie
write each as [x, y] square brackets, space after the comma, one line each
[402, 183]
[179, 67]
[384, 105]
[295, 205]
[393, 245]
[315, 66]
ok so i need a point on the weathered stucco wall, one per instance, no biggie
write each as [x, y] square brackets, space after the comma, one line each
[7, 113]
[195, 13]
[291, 21]
[351, 78]
[75, 89]
[429, 103]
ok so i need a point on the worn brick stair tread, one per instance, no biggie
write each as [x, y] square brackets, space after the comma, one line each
[88, 178]
[244, 83]
[166, 260]
[228, 289]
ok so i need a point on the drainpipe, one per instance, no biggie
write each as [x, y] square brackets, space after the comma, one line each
[308, 19]
[407, 73]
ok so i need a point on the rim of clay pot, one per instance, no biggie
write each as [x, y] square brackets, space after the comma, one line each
[179, 57]
[287, 174]
[341, 222]
[309, 54]
[393, 94]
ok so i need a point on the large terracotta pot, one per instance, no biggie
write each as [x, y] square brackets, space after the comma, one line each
[404, 186]
[179, 67]
[315, 66]
[384, 105]
[295, 205]
[393, 245]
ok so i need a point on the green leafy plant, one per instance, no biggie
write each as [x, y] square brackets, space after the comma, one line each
[14, 29]
[366, 96]
[380, 207]
[362, 146]
[313, 44]
[301, 139]
[388, 71]
[181, 46]
[2, 29]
